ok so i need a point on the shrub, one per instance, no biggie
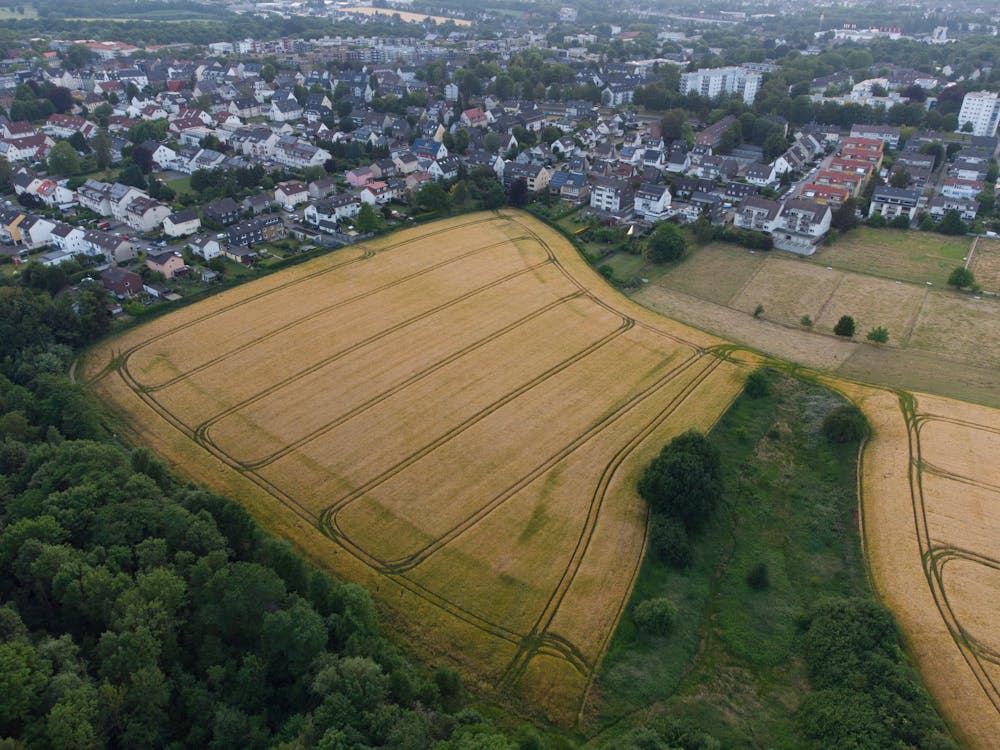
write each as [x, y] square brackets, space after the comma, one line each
[685, 480]
[845, 424]
[806, 322]
[758, 579]
[879, 335]
[668, 541]
[758, 384]
[758, 311]
[655, 616]
[961, 277]
[845, 326]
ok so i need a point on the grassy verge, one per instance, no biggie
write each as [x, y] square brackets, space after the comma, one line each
[732, 667]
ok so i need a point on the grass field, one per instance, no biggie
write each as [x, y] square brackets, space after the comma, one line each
[732, 666]
[896, 254]
[986, 264]
[455, 417]
[625, 267]
[927, 319]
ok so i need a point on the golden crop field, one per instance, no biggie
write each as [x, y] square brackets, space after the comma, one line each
[455, 417]
[930, 486]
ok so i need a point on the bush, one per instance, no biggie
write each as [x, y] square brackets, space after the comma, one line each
[668, 541]
[667, 244]
[758, 384]
[806, 322]
[879, 334]
[685, 480]
[655, 616]
[961, 277]
[845, 326]
[758, 311]
[758, 579]
[845, 424]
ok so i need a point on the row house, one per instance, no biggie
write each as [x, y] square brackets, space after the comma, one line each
[63, 126]
[850, 181]
[888, 134]
[251, 231]
[831, 195]
[71, 239]
[27, 149]
[953, 187]
[757, 214]
[940, 205]
[863, 149]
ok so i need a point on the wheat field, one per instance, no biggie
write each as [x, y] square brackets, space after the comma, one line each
[455, 417]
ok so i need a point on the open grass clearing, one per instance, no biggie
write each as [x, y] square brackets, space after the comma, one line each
[731, 668]
[716, 272]
[625, 267]
[896, 254]
[959, 327]
[986, 264]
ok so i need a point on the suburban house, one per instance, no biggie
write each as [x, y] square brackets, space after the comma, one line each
[115, 249]
[891, 202]
[169, 263]
[612, 196]
[290, 194]
[222, 212]
[333, 209]
[121, 283]
[800, 226]
[652, 202]
[182, 223]
[205, 246]
[144, 214]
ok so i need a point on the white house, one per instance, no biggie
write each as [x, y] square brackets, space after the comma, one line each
[206, 247]
[333, 209]
[800, 226]
[652, 202]
[290, 194]
[181, 223]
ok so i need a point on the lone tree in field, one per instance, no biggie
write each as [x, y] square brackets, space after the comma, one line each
[685, 480]
[879, 334]
[667, 244]
[845, 424]
[845, 326]
[961, 278]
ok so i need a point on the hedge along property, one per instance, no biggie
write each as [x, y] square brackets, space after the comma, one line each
[455, 416]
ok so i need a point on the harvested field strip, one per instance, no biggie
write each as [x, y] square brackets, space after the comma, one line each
[223, 337]
[971, 581]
